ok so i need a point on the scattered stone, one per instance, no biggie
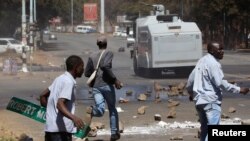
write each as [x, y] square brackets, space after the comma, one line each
[181, 87]
[92, 132]
[141, 110]
[135, 117]
[158, 100]
[171, 113]
[245, 122]
[88, 111]
[231, 110]
[123, 100]
[173, 91]
[185, 93]
[24, 137]
[97, 125]
[129, 92]
[157, 117]
[237, 120]
[142, 97]
[157, 89]
[176, 138]
[172, 103]
[225, 116]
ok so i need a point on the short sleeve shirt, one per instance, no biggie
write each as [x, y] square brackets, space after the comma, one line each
[62, 87]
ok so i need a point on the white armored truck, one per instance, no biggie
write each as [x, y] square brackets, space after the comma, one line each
[165, 46]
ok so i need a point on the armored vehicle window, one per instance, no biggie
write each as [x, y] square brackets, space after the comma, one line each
[174, 27]
[144, 36]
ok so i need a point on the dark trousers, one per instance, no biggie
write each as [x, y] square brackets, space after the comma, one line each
[58, 136]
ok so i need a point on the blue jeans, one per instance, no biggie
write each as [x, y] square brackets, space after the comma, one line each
[209, 114]
[102, 94]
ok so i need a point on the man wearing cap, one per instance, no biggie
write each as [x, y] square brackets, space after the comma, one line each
[104, 86]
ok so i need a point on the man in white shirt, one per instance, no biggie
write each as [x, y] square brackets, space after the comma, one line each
[59, 100]
[205, 85]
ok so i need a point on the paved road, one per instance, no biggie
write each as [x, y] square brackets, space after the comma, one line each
[236, 66]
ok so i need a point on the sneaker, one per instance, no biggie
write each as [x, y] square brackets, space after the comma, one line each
[115, 137]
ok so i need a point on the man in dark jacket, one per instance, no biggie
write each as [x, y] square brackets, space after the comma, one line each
[103, 87]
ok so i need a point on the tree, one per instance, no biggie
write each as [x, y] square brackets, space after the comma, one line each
[9, 13]
[223, 20]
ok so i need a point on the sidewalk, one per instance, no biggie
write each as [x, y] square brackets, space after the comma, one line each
[38, 61]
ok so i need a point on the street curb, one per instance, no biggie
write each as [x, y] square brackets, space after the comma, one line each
[243, 50]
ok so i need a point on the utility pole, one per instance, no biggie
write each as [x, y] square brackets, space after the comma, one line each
[24, 39]
[224, 26]
[35, 11]
[181, 9]
[72, 15]
[35, 22]
[31, 41]
[102, 17]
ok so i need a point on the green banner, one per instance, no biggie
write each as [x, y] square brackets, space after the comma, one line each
[36, 112]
